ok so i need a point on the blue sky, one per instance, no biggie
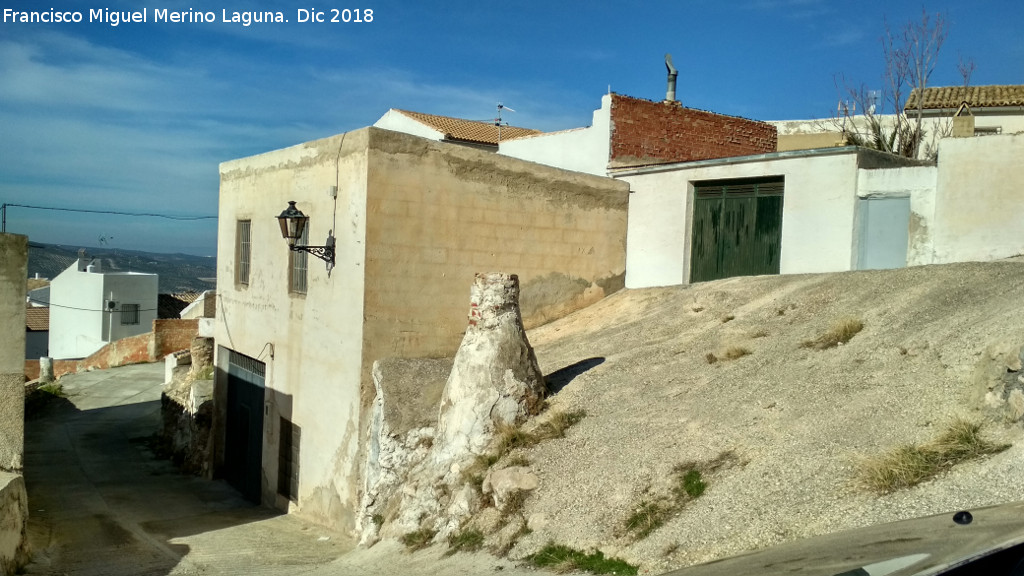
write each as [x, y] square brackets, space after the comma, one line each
[137, 117]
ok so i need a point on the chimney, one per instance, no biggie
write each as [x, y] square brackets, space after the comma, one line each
[82, 262]
[670, 94]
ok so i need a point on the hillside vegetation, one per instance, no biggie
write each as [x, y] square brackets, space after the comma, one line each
[178, 272]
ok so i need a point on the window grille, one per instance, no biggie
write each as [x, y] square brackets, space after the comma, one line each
[129, 314]
[299, 263]
[244, 251]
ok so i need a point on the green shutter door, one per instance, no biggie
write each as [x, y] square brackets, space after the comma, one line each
[737, 229]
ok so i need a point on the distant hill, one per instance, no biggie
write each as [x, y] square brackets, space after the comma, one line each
[178, 272]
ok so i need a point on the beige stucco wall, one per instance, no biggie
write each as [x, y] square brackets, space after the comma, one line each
[311, 343]
[978, 212]
[414, 220]
[13, 274]
[437, 214]
[13, 500]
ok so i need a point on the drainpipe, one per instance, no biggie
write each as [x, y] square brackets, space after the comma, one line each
[670, 94]
[110, 319]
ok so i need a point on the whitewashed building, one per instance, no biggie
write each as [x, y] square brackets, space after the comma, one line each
[823, 210]
[90, 307]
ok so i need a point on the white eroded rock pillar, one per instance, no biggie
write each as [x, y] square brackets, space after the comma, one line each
[495, 379]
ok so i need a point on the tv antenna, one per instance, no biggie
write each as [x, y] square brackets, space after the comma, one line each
[498, 121]
[874, 99]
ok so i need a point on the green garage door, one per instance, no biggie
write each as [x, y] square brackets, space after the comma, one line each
[737, 228]
[243, 447]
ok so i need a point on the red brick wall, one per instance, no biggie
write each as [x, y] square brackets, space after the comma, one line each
[167, 336]
[173, 334]
[31, 369]
[646, 132]
[131, 350]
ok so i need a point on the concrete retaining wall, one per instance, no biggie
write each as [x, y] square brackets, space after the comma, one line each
[13, 501]
[13, 523]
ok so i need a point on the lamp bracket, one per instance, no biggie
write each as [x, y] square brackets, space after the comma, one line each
[325, 253]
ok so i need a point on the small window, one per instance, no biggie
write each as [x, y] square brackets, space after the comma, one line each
[129, 314]
[299, 261]
[243, 249]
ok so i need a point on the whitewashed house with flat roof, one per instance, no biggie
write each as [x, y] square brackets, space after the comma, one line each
[90, 307]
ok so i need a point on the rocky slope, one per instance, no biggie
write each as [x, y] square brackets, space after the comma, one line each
[787, 424]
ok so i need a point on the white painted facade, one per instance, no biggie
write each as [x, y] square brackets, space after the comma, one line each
[395, 120]
[978, 199]
[818, 212]
[917, 185]
[81, 319]
[311, 344]
[844, 208]
[580, 149]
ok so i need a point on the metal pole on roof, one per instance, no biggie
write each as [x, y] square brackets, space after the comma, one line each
[3, 226]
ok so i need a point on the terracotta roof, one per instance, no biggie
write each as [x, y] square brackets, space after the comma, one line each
[37, 318]
[171, 305]
[976, 96]
[469, 130]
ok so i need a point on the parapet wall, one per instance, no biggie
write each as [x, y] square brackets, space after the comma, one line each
[646, 132]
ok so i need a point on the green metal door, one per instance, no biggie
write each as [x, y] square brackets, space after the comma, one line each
[243, 447]
[737, 228]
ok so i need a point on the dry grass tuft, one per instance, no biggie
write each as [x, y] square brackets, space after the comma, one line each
[734, 352]
[840, 333]
[510, 438]
[912, 464]
[468, 540]
[419, 539]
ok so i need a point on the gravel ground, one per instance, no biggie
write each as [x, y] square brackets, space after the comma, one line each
[798, 420]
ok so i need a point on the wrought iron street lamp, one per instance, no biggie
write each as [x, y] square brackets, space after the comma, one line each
[293, 222]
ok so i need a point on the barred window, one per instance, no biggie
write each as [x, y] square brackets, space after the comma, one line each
[129, 314]
[299, 265]
[243, 249]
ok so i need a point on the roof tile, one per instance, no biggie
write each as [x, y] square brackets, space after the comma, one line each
[951, 97]
[470, 130]
[37, 318]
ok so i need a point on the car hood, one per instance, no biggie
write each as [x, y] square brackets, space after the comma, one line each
[921, 547]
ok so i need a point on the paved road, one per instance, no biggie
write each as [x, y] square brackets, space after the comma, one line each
[101, 503]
